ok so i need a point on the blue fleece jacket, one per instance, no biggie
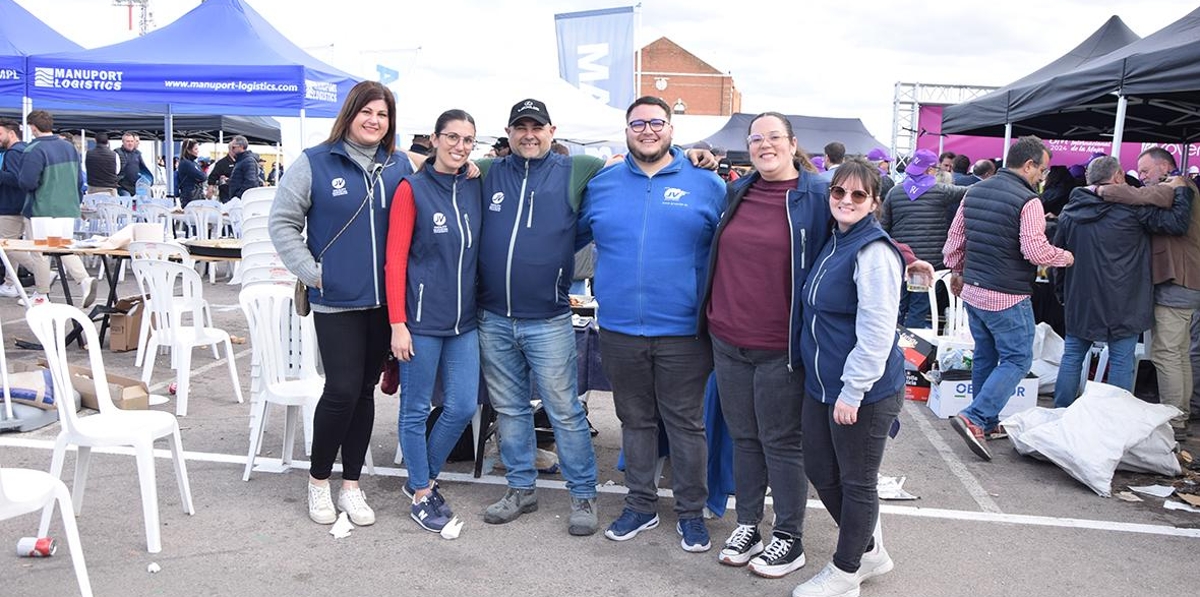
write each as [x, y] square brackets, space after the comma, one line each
[12, 196]
[653, 235]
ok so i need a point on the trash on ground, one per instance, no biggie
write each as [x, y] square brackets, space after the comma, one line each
[892, 488]
[153, 568]
[1173, 505]
[341, 529]
[452, 528]
[1158, 491]
[1127, 496]
[1190, 498]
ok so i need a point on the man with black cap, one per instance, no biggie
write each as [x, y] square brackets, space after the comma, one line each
[500, 148]
[527, 248]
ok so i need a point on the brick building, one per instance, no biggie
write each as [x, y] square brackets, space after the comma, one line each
[682, 79]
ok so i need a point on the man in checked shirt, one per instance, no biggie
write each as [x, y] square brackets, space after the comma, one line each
[994, 247]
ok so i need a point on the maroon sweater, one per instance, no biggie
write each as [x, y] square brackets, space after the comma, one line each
[752, 281]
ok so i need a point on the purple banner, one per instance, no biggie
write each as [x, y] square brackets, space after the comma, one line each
[1065, 153]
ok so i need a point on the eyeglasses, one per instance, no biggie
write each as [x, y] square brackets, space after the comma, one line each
[774, 138]
[655, 124]
[858, 196]
[454, 138]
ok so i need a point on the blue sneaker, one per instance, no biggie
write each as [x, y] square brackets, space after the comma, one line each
[426, 513]
[436, 497]
[694, 533]
[629, 524]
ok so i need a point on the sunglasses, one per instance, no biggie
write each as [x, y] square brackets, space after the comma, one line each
[858, 197]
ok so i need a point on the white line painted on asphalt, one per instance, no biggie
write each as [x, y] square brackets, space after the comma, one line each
[198, 370]
[956, 466]
[936, 513]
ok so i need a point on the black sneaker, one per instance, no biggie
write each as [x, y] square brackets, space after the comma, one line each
[743, 543]
[784, 555]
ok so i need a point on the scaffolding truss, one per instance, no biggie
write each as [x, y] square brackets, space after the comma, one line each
[906, 106]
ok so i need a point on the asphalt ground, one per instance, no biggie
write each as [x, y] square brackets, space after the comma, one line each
[1013, 526]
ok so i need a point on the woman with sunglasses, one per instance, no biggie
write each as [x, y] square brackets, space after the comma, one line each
[855, 376]
[431, 264]
[775, 222]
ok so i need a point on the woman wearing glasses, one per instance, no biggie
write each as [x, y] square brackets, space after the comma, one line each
[339, 191]
[775, 222]
[431, 264]
[855, 376]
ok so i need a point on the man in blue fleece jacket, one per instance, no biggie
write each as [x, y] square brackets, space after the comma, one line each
[653, 218]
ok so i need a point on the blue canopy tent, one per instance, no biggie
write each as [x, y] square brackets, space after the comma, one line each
[254, 71]
[22, 35]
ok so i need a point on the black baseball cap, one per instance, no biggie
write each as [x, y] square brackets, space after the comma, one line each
[531, 109]
[501, 143]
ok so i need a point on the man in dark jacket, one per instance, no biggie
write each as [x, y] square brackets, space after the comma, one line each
[245, 168]
[103, 167]
[12, 199]
[914, 213]
[132, 164]
[218, 175]
[1112, 243]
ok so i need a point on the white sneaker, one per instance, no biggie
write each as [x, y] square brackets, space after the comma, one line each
[354, 504]
[88, 286]
[831, 581]
[8, 290]
[320, 505]
[36, 299]
[876, 562]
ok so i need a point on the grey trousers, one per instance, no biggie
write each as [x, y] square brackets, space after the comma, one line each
[660, 379]
[761, 402]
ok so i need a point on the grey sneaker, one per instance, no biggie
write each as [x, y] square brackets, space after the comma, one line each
[583, 517]
[510, 507]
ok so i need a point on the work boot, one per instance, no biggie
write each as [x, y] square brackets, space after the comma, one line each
[583, 520]
[510, 507]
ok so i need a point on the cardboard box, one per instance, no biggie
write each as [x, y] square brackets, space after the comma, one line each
[950, 397]
[916, 387]
[124, 326]
[917, 350]
[126, 393]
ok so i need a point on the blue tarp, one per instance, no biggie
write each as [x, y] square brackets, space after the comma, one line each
[253, 70]
[22, 35]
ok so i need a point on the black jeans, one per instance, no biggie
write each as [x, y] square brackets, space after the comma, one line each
[842, 462]
[660, 379]
[761, 401]
[353, 345]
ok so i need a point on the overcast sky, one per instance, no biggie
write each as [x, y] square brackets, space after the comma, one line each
[839, 59]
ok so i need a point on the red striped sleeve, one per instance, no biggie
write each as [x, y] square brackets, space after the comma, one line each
[401, 220]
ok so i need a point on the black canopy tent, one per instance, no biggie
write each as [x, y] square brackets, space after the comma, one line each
[989, 114]
[812, 133]
[1148, 91]
[257, 129]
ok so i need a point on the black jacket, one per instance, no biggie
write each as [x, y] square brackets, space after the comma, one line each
[103, 167]
[921, 224]
[244, 175]
[1108, 293]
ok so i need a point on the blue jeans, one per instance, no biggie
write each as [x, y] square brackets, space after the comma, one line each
[1003, 355]
[916, 305]
[456, 358]
[1075, 353]
[517, 353]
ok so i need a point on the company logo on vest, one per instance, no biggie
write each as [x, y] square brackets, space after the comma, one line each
[439, 223]
[339, 186]
[497, 199]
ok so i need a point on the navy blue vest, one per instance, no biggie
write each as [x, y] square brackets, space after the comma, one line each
[992, 214]
[443, 256]
[830, 306]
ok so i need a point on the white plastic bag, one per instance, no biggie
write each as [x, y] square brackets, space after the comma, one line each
[1047, 356]
[1104, 429]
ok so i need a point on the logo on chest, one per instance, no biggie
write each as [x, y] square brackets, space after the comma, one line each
[673, 196]
[497, 199]
[339, 186]
[439, 223]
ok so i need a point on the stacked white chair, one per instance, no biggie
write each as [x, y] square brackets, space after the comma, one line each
[161, 251]
[138, 429]
[23, 491]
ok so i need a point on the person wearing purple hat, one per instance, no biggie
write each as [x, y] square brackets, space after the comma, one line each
[819, 163]
[915, 213]
[880, 157]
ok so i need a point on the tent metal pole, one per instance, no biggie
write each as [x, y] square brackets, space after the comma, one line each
[169, 158]
[303, 141]
[26, 108]
[1007, 142]
[1119, 126]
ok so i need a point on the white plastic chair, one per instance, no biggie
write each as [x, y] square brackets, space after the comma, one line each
[23, 491]
[164, 251]
[113, 216]
[157, 213]
[111, 427]
[161, 278]
[258, 195]
[272, 321]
